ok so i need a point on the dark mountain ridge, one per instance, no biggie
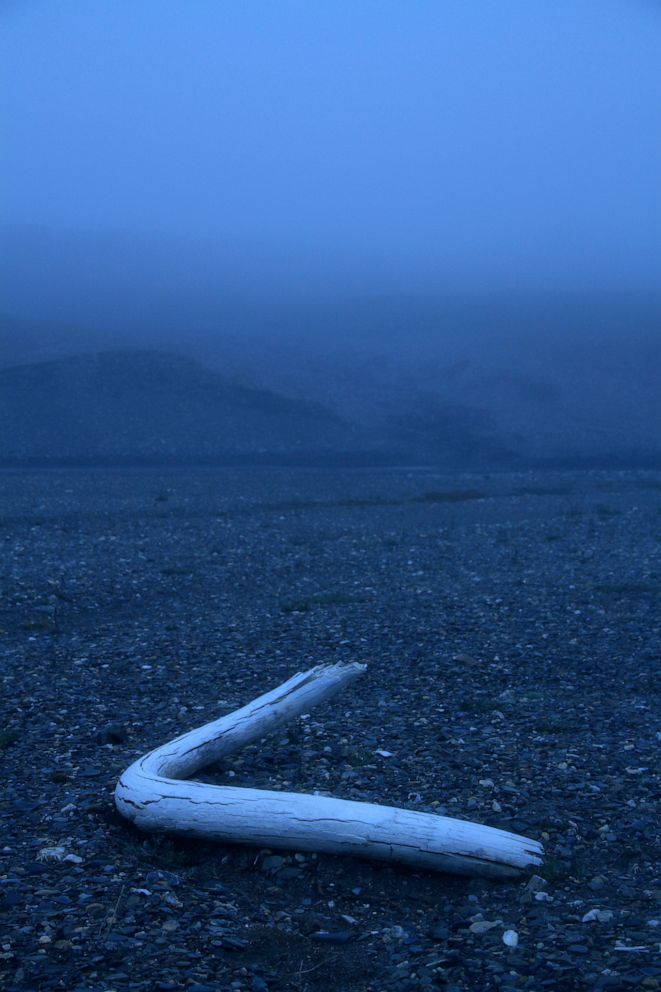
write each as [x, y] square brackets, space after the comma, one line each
[151, 406]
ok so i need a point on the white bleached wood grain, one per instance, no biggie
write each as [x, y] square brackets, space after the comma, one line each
[154, 793]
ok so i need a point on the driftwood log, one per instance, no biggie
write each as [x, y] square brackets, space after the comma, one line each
[154, 793]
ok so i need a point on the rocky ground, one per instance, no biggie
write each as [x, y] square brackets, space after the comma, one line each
[511, 626]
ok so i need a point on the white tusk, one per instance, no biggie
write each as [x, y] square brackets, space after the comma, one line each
[154, 794]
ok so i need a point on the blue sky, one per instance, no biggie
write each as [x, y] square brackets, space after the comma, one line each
[498, 143]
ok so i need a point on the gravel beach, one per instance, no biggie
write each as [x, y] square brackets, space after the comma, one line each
[512, 630]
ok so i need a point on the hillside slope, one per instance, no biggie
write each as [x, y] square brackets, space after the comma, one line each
[153, 406]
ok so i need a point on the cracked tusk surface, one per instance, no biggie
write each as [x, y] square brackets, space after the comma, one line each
[155, 795]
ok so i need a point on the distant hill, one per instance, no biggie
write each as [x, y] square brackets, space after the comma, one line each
[491, 388]
[150, 406]
[567, 401]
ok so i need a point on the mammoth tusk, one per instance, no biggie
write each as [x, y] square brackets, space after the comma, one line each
[155, 795]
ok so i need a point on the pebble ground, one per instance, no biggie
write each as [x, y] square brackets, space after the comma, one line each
[512, 630]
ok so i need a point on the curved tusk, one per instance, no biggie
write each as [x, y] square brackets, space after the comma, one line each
[154, 794]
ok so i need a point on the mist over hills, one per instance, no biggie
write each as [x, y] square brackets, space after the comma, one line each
[457, 382]
[441, 228]
[152, 407]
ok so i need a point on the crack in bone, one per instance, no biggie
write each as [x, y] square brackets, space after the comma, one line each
[289, 820]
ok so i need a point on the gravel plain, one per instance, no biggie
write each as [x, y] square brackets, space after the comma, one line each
[512, 631]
